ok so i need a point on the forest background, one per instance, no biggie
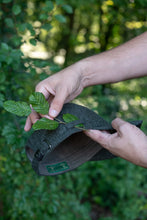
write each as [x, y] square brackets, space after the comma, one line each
[37, 39]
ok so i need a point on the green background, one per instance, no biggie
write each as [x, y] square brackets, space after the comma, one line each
[37, 39]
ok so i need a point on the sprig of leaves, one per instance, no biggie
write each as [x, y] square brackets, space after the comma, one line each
[38, 103]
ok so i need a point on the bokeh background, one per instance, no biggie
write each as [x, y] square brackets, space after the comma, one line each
[37, 39]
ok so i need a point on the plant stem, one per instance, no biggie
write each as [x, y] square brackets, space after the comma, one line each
[83, 129]
[61, 122]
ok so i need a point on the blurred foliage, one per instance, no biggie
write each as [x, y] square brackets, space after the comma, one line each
[37, 39]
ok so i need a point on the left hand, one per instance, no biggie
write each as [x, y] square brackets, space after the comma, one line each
[129, 142]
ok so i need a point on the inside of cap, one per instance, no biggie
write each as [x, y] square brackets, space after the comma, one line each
[30, 153]
[71, 153]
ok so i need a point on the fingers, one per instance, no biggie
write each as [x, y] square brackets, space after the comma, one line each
[28, 124]
[121, 126]
[32, 118]
[41, 87]
[117, 123]
[102, 137]
[56, 97]
[57, 102]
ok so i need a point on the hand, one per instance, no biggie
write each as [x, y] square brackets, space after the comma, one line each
[129, 142]
[58, 89]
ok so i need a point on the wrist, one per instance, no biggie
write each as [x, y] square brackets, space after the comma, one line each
[85, 70]
[98, 69]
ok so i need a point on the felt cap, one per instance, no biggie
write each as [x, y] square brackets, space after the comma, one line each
[64, 149]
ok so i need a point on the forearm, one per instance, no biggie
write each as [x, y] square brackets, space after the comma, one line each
[121, 63]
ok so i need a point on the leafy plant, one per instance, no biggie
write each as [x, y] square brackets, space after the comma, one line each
[38, 103]
[110, 189]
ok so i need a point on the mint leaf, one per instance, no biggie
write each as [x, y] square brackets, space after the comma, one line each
[17, 108]
[69, 118]
[45, 123]
[39, 103]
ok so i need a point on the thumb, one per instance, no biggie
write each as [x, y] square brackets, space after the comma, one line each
[118, 125]
[102, 137]
[57, 103]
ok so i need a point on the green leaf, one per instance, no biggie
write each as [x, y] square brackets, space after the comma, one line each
[2, 98]
[16, 40]
[79, 126]
[4, 46]
[9, 22]
[2, 77]
[9, 132]
[39, 103]
[7, 1]
[31, 29]
[68, 9]
[43, 16]
[55, 68]
[69, 118]
[22, 27]
[60, 2]
[49, 5]
[60, 18]
[47, 27]
[16, 9]
[33, 42]
[45, 123]
[17, 108]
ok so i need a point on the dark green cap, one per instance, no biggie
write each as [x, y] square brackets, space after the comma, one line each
[64, 149]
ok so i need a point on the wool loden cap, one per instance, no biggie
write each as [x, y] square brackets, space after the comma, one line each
[64, 149]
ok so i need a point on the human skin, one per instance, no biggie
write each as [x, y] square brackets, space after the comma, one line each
[126, 61]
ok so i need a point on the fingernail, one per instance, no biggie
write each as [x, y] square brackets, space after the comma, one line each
[35, 120]
[26, 128]
[53, 113]
[48, 117]
[89, 131]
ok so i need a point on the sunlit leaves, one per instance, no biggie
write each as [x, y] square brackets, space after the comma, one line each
[17, 108]
[45, 123]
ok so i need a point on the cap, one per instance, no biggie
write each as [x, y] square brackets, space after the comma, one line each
[64, 149]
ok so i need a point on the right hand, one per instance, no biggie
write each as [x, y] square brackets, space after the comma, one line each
[58, 89]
